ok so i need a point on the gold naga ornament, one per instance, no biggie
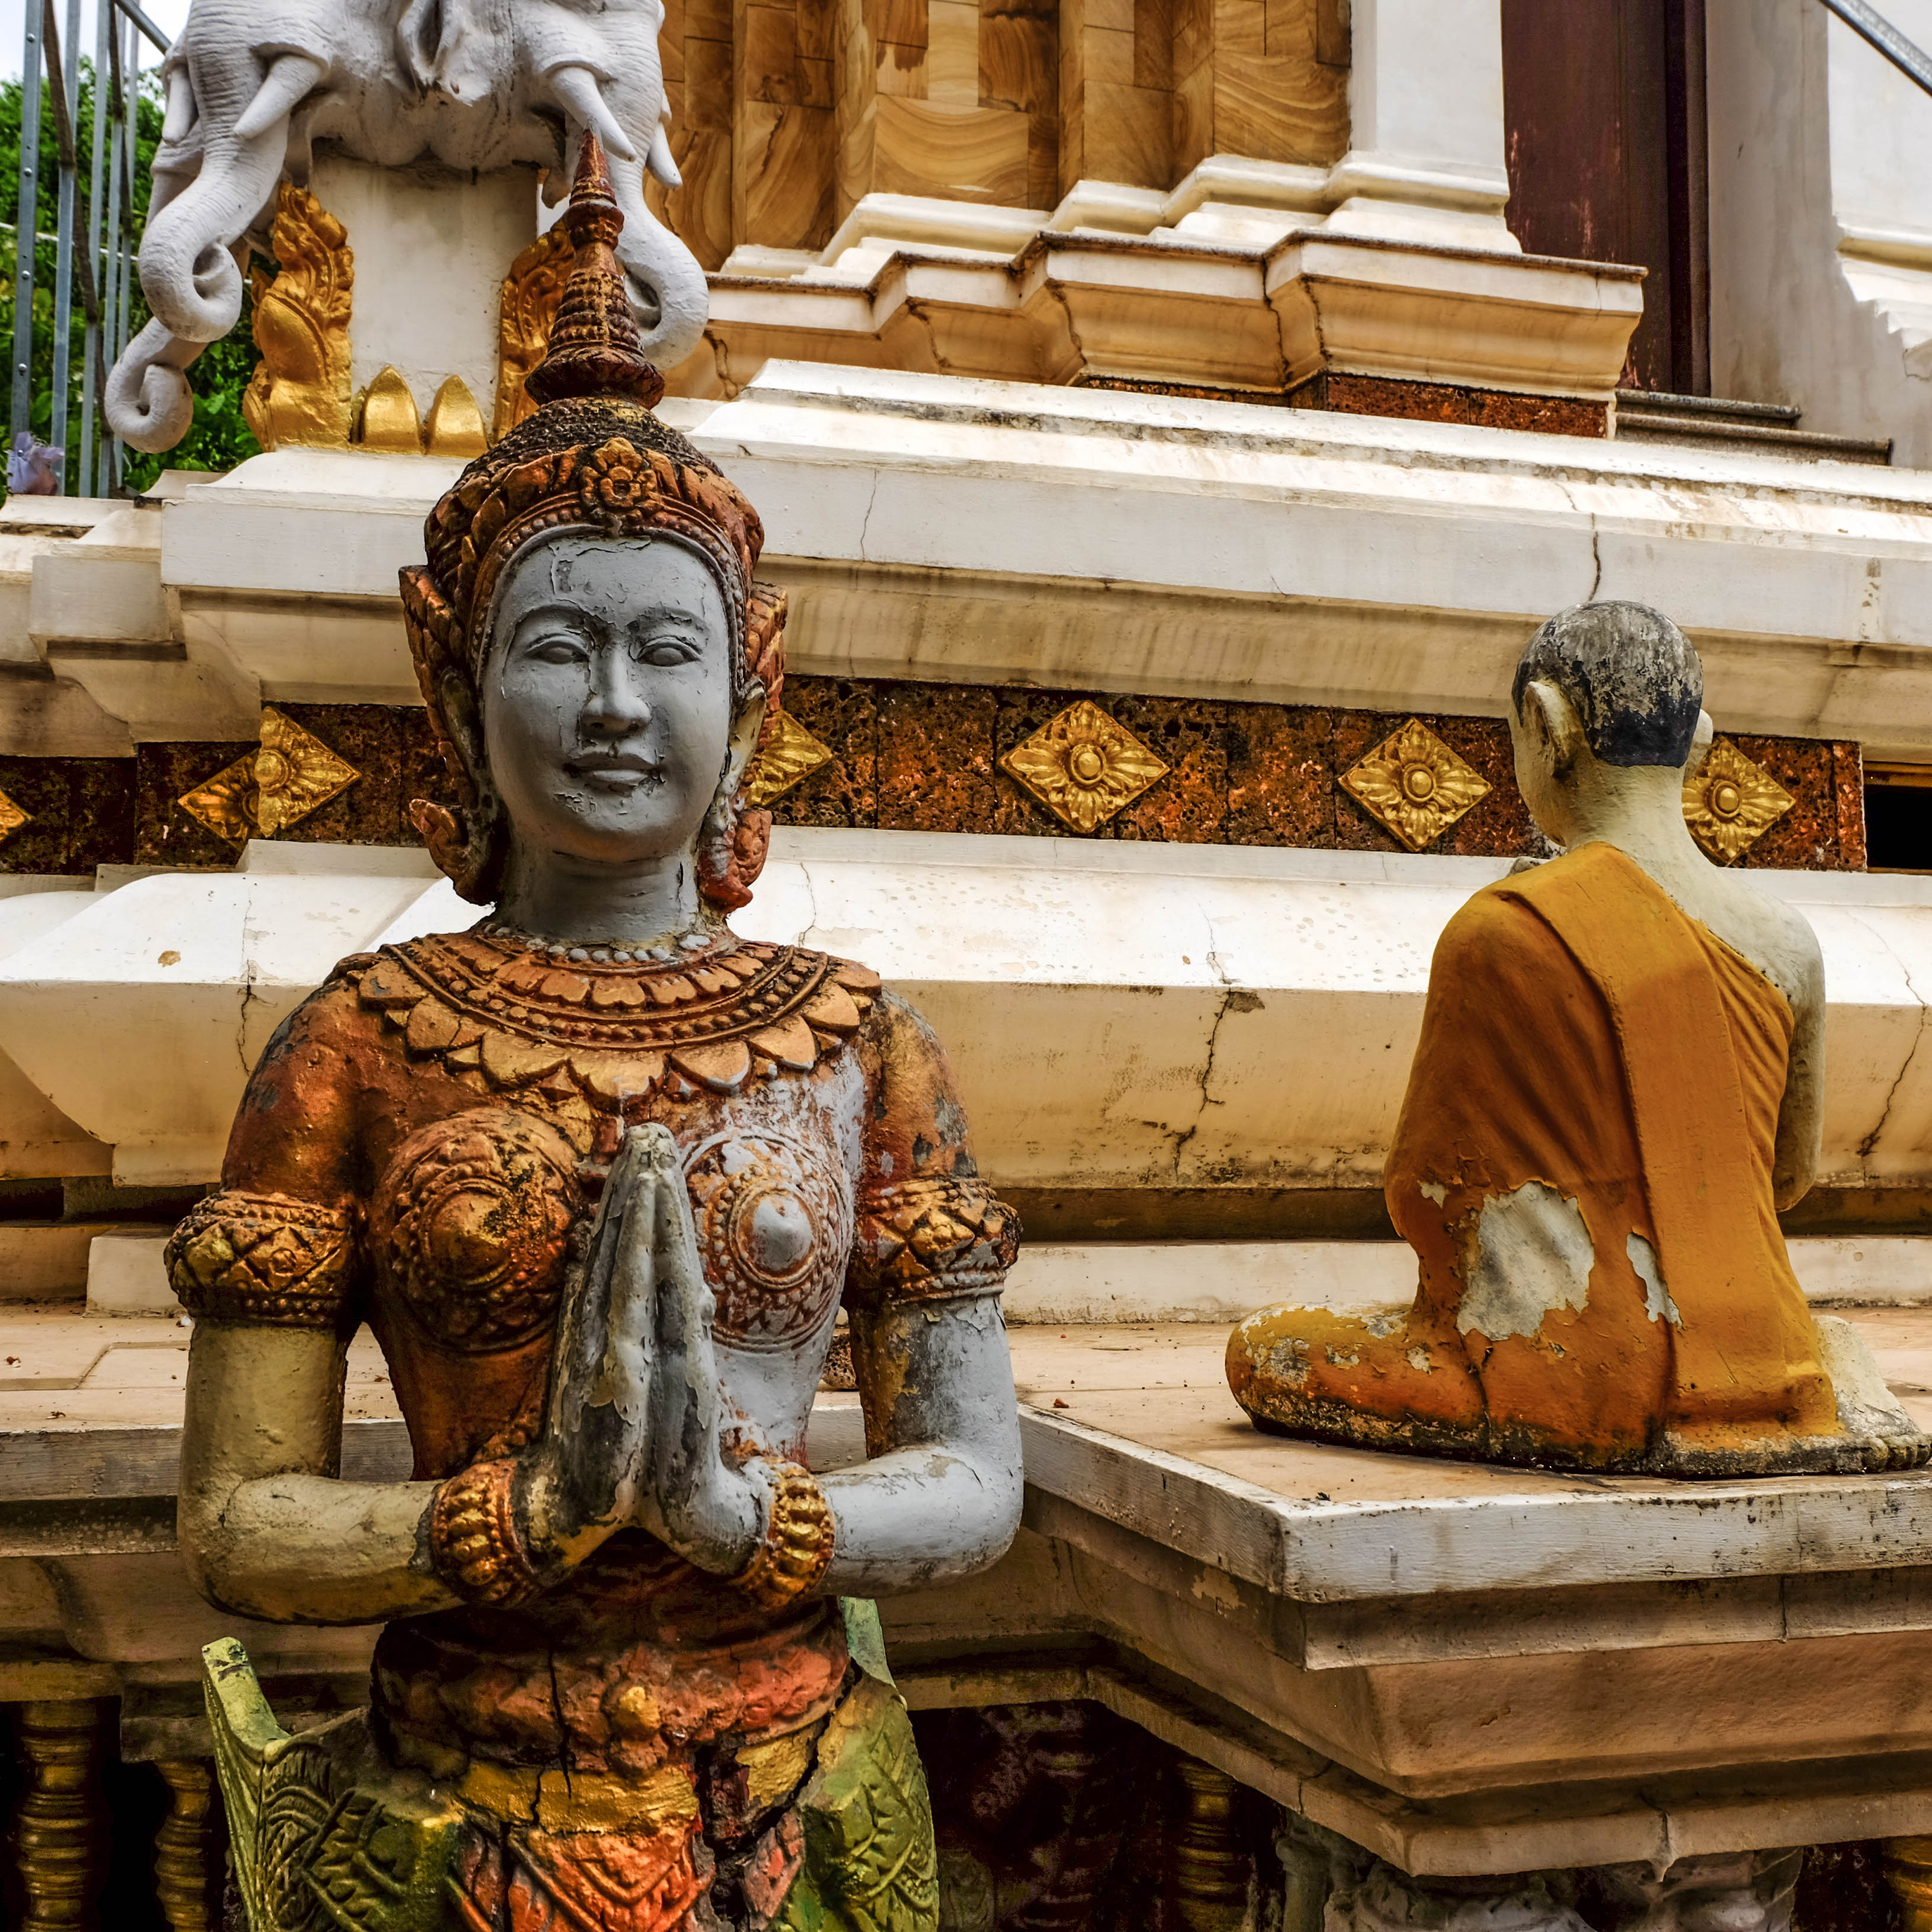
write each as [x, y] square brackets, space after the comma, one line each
[1414, 785]
[1730, 802]
[532, 292]
[300, 392]
[1084, 766]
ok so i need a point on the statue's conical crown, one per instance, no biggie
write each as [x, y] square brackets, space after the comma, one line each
[594, 349]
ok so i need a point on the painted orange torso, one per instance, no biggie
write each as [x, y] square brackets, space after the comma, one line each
[451, 1107]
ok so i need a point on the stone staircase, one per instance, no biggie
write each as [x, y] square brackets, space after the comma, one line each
[1769, 427]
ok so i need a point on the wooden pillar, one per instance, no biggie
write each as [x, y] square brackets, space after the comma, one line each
[1265, 79]
[1209, 1872]
[1908, 1871]
[63, 1822]
[188, 1848]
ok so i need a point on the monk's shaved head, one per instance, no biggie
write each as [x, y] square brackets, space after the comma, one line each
[1636, 684]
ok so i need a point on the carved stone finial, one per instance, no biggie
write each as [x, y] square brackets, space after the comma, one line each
[595, 348]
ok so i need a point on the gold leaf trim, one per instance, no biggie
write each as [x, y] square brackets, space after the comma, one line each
[515, 1020]
[789, 755]
[1083, 766]
[11, 818]
[1414, 786]
[1730, 802]
[291, 774]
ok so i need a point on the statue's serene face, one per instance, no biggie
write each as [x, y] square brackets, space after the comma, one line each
[606, 698]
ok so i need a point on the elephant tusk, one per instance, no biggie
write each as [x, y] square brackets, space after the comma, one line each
[180, 118]
[576, 90]
[659, 162]
[291, 76]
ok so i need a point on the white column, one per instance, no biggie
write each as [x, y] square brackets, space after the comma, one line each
[1425, 160]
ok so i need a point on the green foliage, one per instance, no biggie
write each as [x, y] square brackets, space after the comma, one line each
[220, 438]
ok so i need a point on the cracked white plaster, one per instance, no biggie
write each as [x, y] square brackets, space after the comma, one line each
[1867, 1407]
[1657, 1302]
[1233, 999]
[1871, 1142]
[1432, 1190]
[1527, 1254]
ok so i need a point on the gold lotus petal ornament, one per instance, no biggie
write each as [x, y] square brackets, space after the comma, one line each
[292, 774]
[1730, 802]
[390, 422]
[11, 818]
[789, 755]
[1084, 766]
[455, 426]
[1414, 786]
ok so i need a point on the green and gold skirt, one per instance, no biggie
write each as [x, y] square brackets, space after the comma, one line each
[826, 1829]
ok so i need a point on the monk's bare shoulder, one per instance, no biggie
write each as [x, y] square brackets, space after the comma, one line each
[1776, 937]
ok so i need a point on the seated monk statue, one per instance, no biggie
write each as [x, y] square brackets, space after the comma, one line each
[1619, 1084]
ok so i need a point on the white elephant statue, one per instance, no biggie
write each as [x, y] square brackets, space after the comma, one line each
[475, 84]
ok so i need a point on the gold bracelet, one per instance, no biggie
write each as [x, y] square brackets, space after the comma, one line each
[474, 1543]
[796, 1550]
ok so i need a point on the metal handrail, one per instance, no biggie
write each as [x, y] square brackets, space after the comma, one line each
[1870, 26]
[104, 269]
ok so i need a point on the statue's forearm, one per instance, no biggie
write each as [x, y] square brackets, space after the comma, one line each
[941, 1499]
[919, 1516]
[266, 1529]
[309, 1549]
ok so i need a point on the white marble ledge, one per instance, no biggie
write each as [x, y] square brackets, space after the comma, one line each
[1119, 1015]
[1053, 1284]
[945, 527]
[1149, 1440]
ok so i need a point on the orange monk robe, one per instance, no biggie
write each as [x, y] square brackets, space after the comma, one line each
[1585, 1040]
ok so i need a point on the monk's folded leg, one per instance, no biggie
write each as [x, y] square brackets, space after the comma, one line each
[1376, 1382]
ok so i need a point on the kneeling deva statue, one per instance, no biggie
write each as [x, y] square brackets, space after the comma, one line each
[1619, 1083]
[598, 1175]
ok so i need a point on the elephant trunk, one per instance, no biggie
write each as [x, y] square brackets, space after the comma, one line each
[148, 402]
[661, 269]
[188, 270]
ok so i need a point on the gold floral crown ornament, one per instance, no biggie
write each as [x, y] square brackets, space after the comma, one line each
[592, 460]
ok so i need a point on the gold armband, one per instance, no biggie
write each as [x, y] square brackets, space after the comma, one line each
[265, 1260]
[796, 1548]
[474, 1542]
[927, 1239]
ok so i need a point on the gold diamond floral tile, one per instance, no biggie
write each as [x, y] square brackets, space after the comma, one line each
[789, 755]
[290, 774]
[1083, 766]
[1414, 786]
[1730, 802]
[11, 818]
